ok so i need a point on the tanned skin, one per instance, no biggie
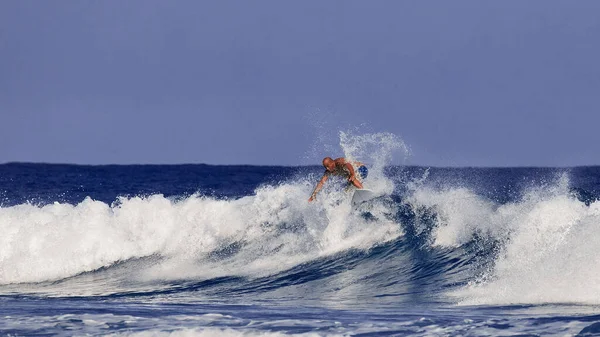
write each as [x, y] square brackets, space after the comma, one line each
[339, 167]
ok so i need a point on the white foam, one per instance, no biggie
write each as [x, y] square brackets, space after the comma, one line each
[460, 213]
[549, 242]
[277, 227]
[551, 258]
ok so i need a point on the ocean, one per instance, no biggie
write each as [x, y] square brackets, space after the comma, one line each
[200, 250]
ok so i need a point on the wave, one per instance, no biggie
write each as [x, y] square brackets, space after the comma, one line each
[425, 239]
[273, 230]
[449, 243]
[135, 242]
[542, 247]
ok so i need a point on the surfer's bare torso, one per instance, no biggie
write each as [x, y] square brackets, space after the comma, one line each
[338, 167]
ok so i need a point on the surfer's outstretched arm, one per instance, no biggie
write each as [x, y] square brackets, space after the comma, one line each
[313, 196]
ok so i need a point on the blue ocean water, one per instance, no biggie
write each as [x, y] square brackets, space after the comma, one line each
[189, 250]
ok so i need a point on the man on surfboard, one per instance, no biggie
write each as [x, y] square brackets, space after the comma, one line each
[341, 167]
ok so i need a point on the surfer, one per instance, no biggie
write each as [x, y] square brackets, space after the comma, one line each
[341, 167]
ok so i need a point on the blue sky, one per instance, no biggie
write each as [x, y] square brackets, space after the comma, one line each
[464, 83]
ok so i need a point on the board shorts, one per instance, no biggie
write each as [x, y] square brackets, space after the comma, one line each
[363, 172]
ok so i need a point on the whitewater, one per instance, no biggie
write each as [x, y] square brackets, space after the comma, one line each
[200, 250]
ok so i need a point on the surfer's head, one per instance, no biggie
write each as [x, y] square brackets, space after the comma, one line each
[329, 164]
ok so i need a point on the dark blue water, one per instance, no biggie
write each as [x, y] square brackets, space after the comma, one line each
[238, 251]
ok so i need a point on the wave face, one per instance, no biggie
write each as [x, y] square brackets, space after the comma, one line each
[240, 234]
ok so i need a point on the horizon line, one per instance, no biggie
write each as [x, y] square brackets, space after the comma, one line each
[292, 166]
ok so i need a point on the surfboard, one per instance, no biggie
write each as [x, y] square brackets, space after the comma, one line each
[361, 196]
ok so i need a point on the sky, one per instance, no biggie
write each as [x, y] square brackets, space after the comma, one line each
[463, 83]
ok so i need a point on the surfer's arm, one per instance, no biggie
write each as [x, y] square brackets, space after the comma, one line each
[313, 196]
[352, 177]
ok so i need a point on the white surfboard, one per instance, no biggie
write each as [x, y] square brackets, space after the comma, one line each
[361, 196]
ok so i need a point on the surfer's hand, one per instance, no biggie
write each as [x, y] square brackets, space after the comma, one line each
[311, 199]
[351, 178]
